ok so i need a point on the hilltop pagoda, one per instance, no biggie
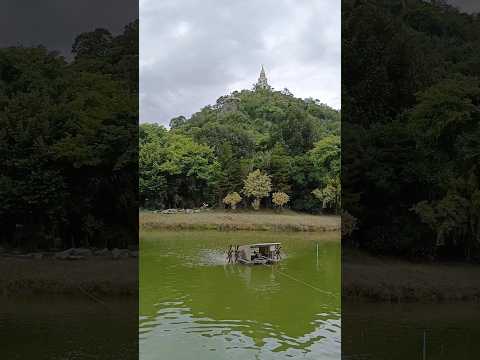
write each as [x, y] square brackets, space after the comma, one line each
[262, 83]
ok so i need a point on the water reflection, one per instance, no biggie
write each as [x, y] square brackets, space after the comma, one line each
[191, 302]
[60, 328]
[411, 331]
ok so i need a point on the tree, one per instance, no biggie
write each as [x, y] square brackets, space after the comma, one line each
[149, 133]
[325, 156]
[271, 131]
[410, 163]
[175, 171]
[177, 122]
[330, 195]
[349, 224]
[232, 199]
[93, 45]
[152, 180]
[280, 199]
[230, 179]
[298, 130]
[258, 186]
[68, 145]
[280, 168]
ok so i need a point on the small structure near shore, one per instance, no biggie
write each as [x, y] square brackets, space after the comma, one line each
[202, 208]
[254, 254]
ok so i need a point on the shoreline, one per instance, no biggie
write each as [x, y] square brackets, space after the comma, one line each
[90, 277]
[287, 221]
[101, 273]
[386, 279]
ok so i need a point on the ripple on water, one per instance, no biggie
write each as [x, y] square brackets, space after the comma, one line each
[177, 325]
[194, 303]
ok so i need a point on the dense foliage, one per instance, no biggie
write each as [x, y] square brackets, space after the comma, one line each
[411, 127]
[68, 143]
[294, 142]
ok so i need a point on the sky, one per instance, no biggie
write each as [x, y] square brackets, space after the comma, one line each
[56, 23]
[466, 5]
[192, 52]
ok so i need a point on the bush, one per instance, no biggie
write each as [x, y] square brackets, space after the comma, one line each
[232, 199]
[280, 199]
[349, 224]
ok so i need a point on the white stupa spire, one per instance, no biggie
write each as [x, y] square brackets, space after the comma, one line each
[262, 82]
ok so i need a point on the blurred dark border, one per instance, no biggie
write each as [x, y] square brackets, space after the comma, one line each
[69, 178]
[410, 179]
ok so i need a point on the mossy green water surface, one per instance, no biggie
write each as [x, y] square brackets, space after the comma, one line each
[193, 304]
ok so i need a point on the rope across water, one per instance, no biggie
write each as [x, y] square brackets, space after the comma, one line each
[306, 284]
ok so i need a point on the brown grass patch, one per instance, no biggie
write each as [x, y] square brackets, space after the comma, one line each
[232, 221]
[389, 279]
[96, 276]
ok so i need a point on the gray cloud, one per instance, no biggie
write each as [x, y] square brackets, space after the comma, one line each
[55, 23]
[192, 52]
[471, 6]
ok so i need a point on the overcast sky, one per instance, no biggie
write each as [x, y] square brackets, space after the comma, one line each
[466, 5]
[192, 52]
[56, 23]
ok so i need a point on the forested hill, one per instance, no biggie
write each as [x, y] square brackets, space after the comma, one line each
[411, 127]
[202, 159]
[68, 143]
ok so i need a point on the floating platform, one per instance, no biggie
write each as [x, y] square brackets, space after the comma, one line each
[255, 254]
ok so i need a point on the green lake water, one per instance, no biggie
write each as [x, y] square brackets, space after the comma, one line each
[194, 306]
[67, 328]
[413, 331]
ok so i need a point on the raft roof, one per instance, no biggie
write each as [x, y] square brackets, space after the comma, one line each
[264, 244]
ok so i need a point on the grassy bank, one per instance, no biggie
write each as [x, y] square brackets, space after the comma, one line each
[390, 279]
[229, 221]
[92, 277]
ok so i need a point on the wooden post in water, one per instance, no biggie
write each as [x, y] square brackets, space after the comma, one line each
[424, 345]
